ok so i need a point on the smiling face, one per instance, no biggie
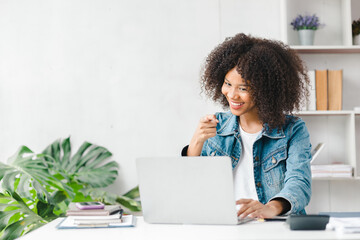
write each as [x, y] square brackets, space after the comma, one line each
[237, 94]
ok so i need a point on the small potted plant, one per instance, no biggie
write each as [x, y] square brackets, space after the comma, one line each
[306, 26]
[356, 32]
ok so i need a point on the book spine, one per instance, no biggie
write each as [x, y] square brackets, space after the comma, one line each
[335, 83]
[78, 213]
[321, 90]
[311, 104]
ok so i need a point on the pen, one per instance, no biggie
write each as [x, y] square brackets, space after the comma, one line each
[120, 211]
[274, 219]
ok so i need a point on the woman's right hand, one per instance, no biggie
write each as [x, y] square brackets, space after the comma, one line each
[205, 130]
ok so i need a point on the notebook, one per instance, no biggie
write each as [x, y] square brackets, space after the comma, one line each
[187, 190]
[72, 222]
[108, 210]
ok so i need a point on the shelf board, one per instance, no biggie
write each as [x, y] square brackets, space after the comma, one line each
[335, 178]
[324, 113]
[326, 49]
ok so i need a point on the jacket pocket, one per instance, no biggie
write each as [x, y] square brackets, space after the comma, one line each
[274, 167]
[213, 150]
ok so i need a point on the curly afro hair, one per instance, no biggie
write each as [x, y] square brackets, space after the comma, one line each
[276, 75]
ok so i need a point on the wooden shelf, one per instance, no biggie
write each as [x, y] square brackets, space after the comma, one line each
[326, 49]
[325, 113]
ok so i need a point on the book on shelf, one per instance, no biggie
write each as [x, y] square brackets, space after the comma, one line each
[332, 170]
[108, 210]
[311, 103]
[335, 83]
[325, 90]
[316, 151]
[321, 83]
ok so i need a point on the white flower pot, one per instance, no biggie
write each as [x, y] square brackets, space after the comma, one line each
[356, 40]
[306, 36]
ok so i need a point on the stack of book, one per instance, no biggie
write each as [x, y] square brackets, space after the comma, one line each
[344, 222]
[332, 170]
[109, 216]
[325, 90]
[106, 211]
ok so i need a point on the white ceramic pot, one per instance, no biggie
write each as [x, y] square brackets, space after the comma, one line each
[306, 36]
[356, 40]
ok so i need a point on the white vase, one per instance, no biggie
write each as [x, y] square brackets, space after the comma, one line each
[356, 40]
[306, 36]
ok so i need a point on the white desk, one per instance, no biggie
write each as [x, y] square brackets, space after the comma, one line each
[253, 230]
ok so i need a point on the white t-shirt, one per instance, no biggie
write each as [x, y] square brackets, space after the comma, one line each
[243, 173]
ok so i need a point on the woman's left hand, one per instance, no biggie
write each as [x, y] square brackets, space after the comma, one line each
[255, 209]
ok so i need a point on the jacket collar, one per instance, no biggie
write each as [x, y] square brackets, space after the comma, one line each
[274, 133]
[231, 126]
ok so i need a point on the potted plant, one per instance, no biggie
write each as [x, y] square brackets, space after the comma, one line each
[37, 188]
[306, 26]
[356, 32]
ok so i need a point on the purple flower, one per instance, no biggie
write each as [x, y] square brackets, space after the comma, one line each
[306, 22]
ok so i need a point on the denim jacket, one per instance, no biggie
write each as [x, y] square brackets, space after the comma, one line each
[281, 158]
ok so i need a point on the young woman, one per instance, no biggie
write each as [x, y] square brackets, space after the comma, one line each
[261, 81]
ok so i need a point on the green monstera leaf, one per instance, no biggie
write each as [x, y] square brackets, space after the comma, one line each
[16, 217]
[37, 188]
[87, 166]
[26, 171]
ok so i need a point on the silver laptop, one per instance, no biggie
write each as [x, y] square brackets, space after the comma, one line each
[187, 190]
